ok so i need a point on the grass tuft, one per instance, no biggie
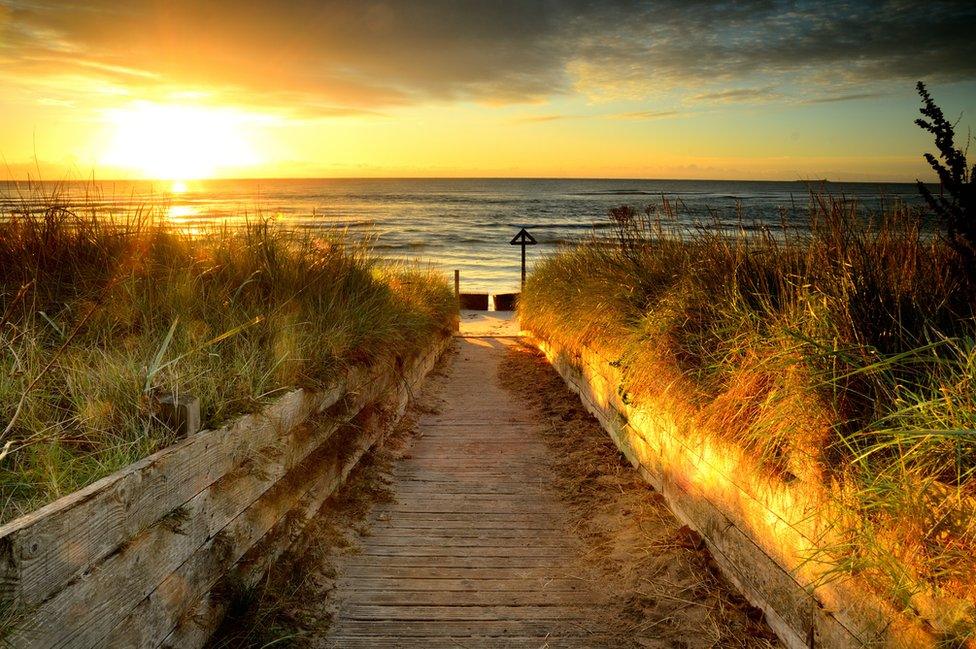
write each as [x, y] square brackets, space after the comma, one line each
[99, 313]
[841, 354]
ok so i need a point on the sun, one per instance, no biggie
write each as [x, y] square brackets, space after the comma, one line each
[179, 142]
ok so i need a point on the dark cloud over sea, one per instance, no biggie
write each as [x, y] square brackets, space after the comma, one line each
[337, 58]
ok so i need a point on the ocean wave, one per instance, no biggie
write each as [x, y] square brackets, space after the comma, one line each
[595, 225]
[617, 192]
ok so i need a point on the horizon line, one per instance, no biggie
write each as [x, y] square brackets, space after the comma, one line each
[541, 178]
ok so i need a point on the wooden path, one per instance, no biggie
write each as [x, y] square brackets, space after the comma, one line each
[474, 553]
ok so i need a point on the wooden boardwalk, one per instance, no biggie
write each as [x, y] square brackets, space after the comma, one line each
[474, 553]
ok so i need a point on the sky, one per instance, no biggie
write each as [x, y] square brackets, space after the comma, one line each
[665, 89]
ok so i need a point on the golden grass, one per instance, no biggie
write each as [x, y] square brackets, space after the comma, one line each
[841, 355]
[98, 314]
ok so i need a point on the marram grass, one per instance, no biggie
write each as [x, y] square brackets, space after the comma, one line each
[842, 354]
[97, 313]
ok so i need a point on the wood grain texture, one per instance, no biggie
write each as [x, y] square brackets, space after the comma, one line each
[35, 560]
[120, 562]
[474, 551]
[199, 621]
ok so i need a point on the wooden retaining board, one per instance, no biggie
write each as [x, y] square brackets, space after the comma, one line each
[75, 568]
[767, 564]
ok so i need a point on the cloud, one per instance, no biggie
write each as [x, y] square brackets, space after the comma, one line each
[372, 55]
[643, 115]
[736, 96]
[537, 119]
[853, 96]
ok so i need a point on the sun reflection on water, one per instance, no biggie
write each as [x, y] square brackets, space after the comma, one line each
[181, 213]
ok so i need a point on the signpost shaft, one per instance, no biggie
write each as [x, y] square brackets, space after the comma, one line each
[523, 265]
[523, 238]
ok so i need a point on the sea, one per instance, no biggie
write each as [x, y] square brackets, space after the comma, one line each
[459, 224]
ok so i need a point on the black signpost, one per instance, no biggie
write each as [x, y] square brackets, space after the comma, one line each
[523, 238]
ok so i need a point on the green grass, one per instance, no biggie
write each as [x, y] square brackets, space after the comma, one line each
[840, 355]
[98, 314]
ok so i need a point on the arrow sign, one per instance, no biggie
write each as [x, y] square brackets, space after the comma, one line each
[523, 238]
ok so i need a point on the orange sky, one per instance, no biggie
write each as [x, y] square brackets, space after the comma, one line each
[573, 89]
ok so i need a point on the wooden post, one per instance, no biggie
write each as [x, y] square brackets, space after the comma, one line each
[523, 238]
[181, 413]
[523, 267]
[457, 296]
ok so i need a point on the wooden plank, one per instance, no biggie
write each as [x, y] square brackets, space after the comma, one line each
[35, 562]
[450, 628]
[478, 598]
[473, 542]
[471, 642]
[475, 534]
[437, 614]
[83, 612]
[356, 571]
[514, 520]
[98, 599]
[155, 616]
[547, 584]
[463, 506]
[462, 489]
[473, 526]
[461, 561]
[470, 497]
[437, 534]
[194, 626]
[428, 551]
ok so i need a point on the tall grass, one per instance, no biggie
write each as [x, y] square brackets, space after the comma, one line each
[98, 314]
[842, 353]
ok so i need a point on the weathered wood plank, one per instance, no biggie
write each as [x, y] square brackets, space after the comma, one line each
[547, 584]
[193, 626]
[471, 642]
[461, 561]
[438, 534]
[82, 612]
[516, 519]
[504, 571]
[34, 560]
[101, 597]
[494, 542]
[155, 616]
[473, 526]
[474, 548]
[450, 628]
[437, 614]
[428, 551]
[479, 598]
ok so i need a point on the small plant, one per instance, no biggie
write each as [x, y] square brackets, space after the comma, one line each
[956, 203]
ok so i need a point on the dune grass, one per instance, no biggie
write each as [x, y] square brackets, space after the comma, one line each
[98, 314]
[842, 354]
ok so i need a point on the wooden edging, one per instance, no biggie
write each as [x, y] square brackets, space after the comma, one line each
[761, 558]
[120, 562]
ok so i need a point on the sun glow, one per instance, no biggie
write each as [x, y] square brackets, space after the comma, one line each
[179, 142]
